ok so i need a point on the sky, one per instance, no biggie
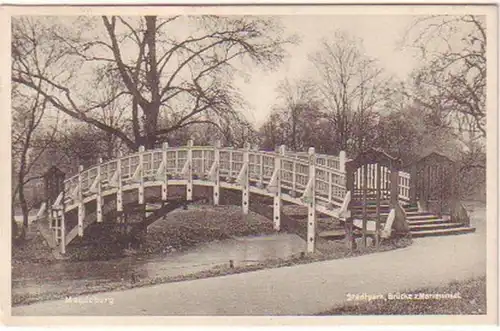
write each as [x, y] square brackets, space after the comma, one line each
[380, 34]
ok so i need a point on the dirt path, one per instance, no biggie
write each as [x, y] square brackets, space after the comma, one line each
[302, 289]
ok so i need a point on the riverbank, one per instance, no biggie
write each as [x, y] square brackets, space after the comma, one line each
[187, 245]
[48, 287]
[306, 289]
[22, 295]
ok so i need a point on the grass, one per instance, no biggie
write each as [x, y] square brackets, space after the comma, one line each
[32, 250]
[467, 298]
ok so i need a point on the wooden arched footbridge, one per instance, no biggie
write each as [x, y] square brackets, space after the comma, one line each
[368, 192]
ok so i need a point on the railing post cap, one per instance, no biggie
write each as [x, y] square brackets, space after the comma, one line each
[190, 143]
[80, 168]
[218, 144]
[100, 160]
[255, 147]
[311, 151]
[142, 148]
[165, 145]
[246, 146]
[282, 149]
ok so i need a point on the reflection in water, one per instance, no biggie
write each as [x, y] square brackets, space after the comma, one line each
[63, 275]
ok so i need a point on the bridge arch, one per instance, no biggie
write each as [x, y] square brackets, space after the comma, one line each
[316, 181]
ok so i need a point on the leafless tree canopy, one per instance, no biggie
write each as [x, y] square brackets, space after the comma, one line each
[29, 142]
[168, 72]
[452, 82]
[352, 86]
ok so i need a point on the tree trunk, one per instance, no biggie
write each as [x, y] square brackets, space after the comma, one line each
[21, 177]
[294, 128]
[151, 114]
[150, 126]
[14, 229]
[25, 211]
[109, 145]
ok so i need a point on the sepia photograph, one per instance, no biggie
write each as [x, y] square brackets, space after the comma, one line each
[258, 161]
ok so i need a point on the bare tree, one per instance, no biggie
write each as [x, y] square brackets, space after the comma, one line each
[172, 71]
[352, 87]
[271, 133]
[298, 105]
[112, 113]
[452, 81]
[28, 112]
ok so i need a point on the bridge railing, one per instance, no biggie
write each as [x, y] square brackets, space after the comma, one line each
[313, 180]
[404, 186]
[385, 181]
[330, 171]
[294, 170]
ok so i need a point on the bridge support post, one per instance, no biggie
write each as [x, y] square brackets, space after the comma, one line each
[245, 180]
[164, 184]
[119, 192]
[216, 173]
[63, 229]
[261, 170]
[311, 204]
[330, 188]
[98, 200]
[343, 169]
[141, 175]
[277, 194]
[348, 224]
[54, 195]
[81, 205]
[189, 186]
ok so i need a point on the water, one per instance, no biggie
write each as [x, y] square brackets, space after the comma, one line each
[79, 275]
